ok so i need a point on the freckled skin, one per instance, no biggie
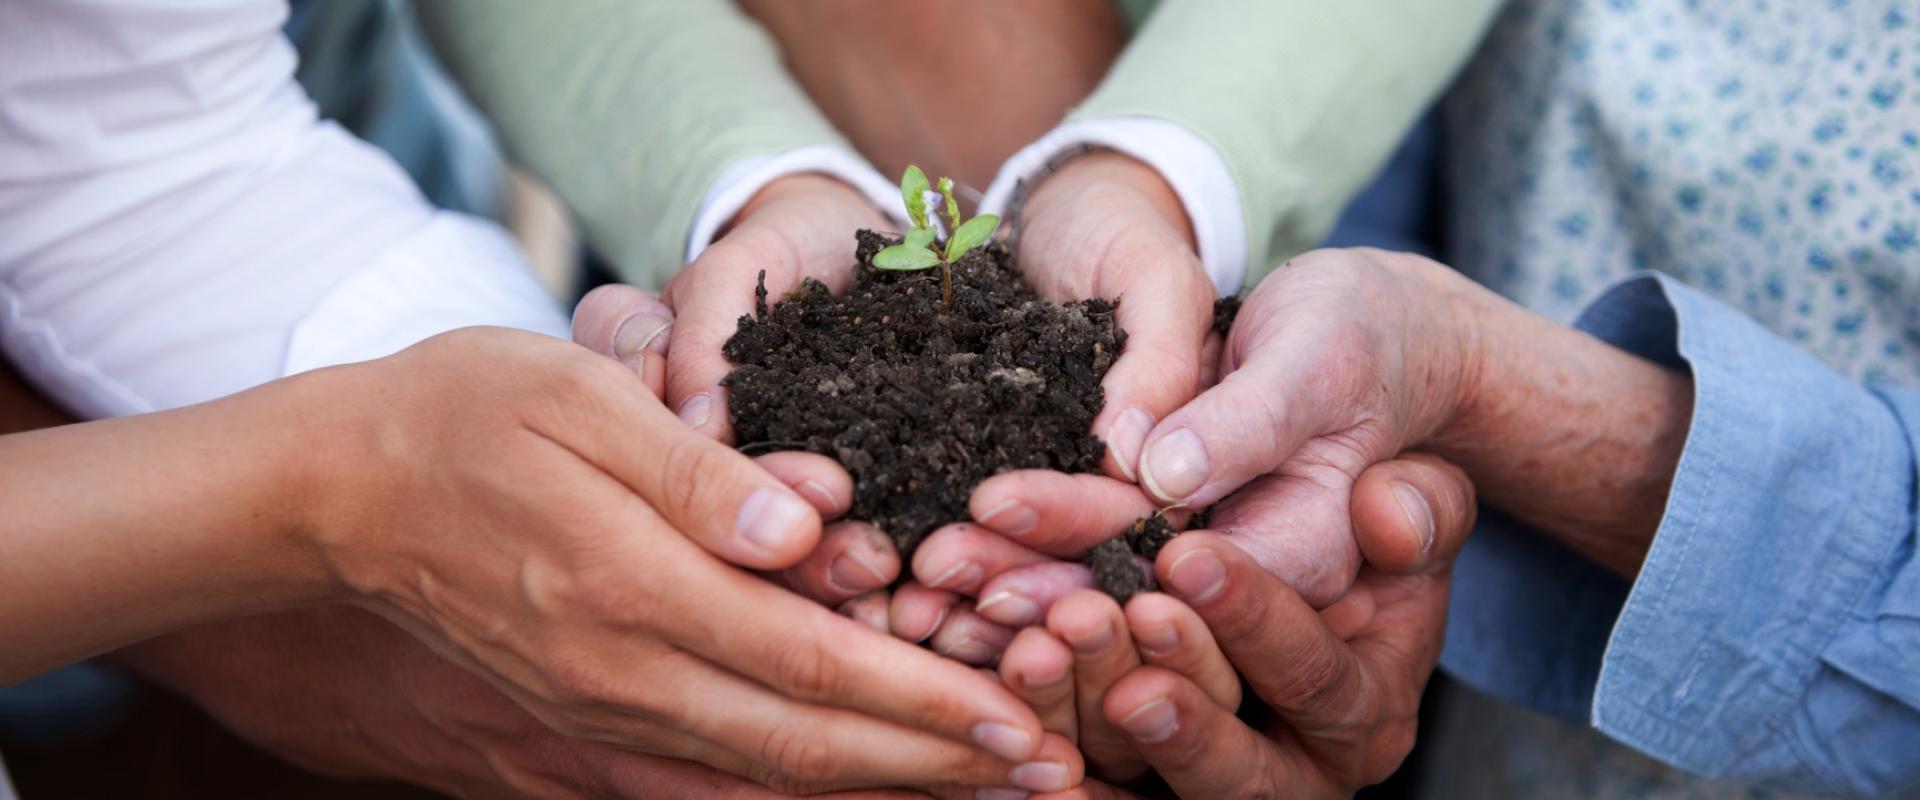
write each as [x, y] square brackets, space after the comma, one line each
[1568, 433]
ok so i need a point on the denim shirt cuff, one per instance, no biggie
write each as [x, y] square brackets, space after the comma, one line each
[1792, 490]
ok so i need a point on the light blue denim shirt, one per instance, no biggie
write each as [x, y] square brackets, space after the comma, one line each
[1762, 156]
[1773, 634]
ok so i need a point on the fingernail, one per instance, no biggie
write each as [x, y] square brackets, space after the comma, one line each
[1003, 740]
[1012, 518]
[1126, 436]
[1153, 722]
[696, 409]
[1008, 608]
[1041, 776]
[938, 620]
[853, 571]
[1158, 639]
[1175, 467]
[1198, 575]
[872, 615]
[1002, 794]
[818, 495]
[1414, 505]
[641, 332]
[1094, 640]
[968, 651]
[768, 518]
[959, 577]
[1036, 681]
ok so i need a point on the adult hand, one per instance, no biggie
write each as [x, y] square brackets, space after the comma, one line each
[797, 227]
[1337, 361]
[547, 524]
[1107, 225]
[852, 558]
[1343, 683]
[1099, 645]
[339, 691]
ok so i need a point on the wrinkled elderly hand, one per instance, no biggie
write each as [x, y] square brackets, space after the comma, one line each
[1316, 385]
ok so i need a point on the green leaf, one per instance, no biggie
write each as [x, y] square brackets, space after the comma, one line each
[902, 257]
[919, 239]
[913, 189]
[971, 235]
[953, 208]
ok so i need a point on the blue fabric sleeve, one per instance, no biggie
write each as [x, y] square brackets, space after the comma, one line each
[1773, 634]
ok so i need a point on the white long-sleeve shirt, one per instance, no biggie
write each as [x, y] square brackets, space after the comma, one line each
[176, 223]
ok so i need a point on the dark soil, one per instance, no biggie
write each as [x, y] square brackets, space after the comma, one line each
[1224, 310]
[918, 402]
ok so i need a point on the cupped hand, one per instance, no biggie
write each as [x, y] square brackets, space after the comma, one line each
[1104, 649]
[1337, 361]
[532, 512]
[1108, 226]
[797, 227]
[1343, 683]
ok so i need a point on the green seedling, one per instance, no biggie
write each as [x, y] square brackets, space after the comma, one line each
[918, 251]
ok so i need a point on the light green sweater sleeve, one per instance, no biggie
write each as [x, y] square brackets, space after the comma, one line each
[629, 109]
[1305, 99]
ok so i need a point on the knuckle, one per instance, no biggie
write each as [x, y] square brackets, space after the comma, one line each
[796, 756]
[689, 454]
[1310, 682]
[1393, 746]
[808, 671]
[1256, 784]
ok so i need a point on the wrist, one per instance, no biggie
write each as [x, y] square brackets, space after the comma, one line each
[320, 460]
[831, 202]
[1567, 433]
[1102, 169]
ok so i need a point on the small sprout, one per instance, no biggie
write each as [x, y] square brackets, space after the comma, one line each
[913, 189]
[902, 257]
[916, 250]
[974, 233]
[953, 208]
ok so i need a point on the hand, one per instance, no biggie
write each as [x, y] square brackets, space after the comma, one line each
[539, 522]
[1103, 646]
[1343, 684]
[799, 226]
[1106, 225]
[852, 558]
[340, 691]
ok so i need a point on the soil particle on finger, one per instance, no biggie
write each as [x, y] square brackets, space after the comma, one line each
[1116, 571]
[919, 402]
[1224, 311]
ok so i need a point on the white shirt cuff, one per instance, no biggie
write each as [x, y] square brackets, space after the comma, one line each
[454, 272]
[744, 178]
[1197, 172]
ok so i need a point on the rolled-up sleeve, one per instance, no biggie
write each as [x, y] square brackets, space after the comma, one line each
[1773, 633]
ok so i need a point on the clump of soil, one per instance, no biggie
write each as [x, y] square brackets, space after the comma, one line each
[919, 402]
[1116, 570]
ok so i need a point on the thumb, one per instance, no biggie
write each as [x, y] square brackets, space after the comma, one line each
[1413, 513]
[628, 325]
